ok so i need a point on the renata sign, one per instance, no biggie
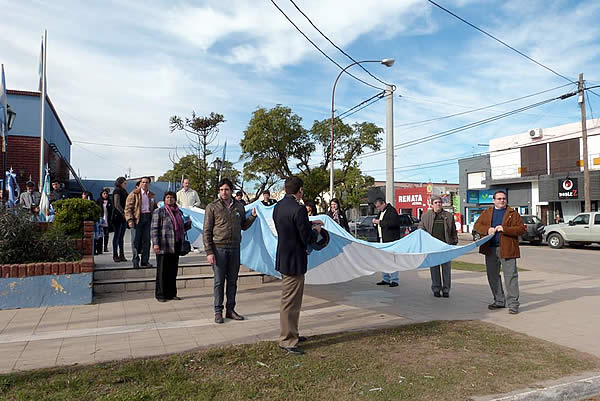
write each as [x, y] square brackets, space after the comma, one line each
[413, 199]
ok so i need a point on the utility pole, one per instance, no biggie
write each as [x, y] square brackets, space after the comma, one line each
[586, 171]
[389, 147]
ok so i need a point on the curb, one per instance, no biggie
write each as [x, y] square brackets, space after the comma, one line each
[572, 390]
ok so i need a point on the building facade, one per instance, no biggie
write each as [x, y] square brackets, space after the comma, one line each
[23, 140]
[541, 170]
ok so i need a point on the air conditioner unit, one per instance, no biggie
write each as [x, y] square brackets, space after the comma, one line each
[535, 133]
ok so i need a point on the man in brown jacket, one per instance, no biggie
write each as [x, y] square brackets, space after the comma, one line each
[139, 206]
[502, 250]
[440, 224]
[224, 220]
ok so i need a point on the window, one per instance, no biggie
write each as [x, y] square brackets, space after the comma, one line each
[582, 219]
[475, 180]
[597, 219]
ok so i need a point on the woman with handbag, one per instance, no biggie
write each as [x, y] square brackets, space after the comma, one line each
[119, 196]
[169, 242]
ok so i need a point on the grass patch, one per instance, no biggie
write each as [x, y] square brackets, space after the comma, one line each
[474, 267]
[427, 361]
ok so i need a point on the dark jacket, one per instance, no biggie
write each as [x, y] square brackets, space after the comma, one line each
[223, 226]
[109, 210]
[426, 224]
[294, 232]
[343, 220]
[57, 195]
[119, 197]
[512, 223]
[390, 225]
[162, 231]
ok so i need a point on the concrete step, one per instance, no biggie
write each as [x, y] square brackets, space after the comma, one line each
[128, 272]
[183, 281]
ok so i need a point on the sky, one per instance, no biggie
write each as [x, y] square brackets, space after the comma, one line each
[117, 71]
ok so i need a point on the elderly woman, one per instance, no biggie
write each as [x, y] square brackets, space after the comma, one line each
[337, 214]
[168, 233]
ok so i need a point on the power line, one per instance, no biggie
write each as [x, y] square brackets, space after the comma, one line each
[479, 108]
[470, 125]
[126, 146]
[365, 106]
[319, 49]
[334, 45]
[378, 95]
[500, 41]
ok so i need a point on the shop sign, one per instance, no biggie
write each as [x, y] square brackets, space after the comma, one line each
[567, 189]
[486, 195]
[472, 196]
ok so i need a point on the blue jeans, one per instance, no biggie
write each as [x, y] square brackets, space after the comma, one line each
[118, 238]
[390, 277]
[226, 268]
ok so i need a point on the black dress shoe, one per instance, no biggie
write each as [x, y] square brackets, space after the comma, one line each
[147, 265]
[513, 311]
[293, 350]
[219, 318]
[437, 294]
[176, 299]
[494, 306]
[382, 282]
[233, 315]
[394, 284]
[122, 258]
[446, 295]
[116, 259]
[302, 339]
[161, 300]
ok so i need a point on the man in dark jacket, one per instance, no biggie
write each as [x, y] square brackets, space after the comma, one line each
[388, 230]
[57, 193]
[503, 250]
[294, 233]
[440, 224]
[224, 220]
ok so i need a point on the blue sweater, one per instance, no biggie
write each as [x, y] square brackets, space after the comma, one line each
[497, 217]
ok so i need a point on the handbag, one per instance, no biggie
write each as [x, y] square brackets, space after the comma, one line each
[186, 247]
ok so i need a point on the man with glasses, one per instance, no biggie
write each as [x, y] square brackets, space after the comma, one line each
[506, 225]
[440, 224]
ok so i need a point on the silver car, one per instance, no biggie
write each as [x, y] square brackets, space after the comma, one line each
[584, 229]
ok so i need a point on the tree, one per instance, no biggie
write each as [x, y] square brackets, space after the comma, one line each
[276, 144]
[201, 132]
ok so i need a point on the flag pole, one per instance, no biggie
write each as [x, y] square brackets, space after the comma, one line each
[43, 108]
[4, 128]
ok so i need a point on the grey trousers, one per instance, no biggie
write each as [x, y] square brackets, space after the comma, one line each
[437, 279]
[493, 261]
[227, 269]
[140, 239]
[292, 290]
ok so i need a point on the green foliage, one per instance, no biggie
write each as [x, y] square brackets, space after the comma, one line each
[71, 213]
[22, 242]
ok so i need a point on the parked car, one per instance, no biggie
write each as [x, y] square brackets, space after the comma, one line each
[584, 229]
[534, 230]
[366, 230]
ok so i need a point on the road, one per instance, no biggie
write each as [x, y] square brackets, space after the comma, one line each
[580, 261]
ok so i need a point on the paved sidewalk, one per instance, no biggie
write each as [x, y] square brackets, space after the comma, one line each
[562, 308]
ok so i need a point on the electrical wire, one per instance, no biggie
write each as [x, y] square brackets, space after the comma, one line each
[500, 41]
[349, 112]
[126, 146]
[321, 51]
[365, 106]
[334, 45]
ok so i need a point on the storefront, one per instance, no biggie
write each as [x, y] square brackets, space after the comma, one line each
[565, 195]
[417, 200]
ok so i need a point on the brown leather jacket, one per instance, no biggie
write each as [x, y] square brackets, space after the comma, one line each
[133, 205]
[509, 238]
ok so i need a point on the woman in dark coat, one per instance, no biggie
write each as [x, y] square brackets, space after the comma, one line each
[119, 196]
[168, 233]
[106, 206]
[337, 214]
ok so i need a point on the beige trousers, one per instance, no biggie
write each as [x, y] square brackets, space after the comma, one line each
[292, 289]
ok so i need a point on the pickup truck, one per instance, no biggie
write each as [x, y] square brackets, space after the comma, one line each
[584, 229]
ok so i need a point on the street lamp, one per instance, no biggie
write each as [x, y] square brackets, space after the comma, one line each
[11, 117]
[218, 164]
[388, 62]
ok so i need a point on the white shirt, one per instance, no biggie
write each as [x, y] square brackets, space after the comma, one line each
[379, 226]
[145, 201]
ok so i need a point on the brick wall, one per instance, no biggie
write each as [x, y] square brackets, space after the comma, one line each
[24, 157]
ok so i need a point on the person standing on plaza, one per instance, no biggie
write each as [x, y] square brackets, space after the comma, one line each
[224, 219]
[186, 196]
[502, 250]
[440, 224]
[388, 230]
[294, 233]
[30, 197]
[337, 214]
[106, 205]
[140, 204]
[119, 223]
[267, 201]
[57, 193]
[168, 233]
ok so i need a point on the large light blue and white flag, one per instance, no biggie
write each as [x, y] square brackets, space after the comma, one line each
[344, 258]
[45, 199]
[12, 188]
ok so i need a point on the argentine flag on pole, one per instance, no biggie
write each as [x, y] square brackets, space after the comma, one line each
[45, 199]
